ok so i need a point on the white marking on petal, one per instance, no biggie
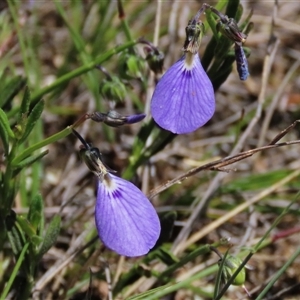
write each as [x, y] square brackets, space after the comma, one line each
[189, 61]
[109, 183]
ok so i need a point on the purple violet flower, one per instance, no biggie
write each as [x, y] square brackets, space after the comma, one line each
[126, 221]
[183, 99]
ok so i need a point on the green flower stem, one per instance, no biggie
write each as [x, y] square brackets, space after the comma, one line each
[124, 22]
[179, 285]
[278, 274]
[212, 23]
[276, 222]
[14, 273]
[190, 257]
[21, 37]
[79, 71]
[54, 138]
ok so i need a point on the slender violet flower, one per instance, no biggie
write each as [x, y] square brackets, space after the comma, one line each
[126, 221]
[114, 119]
[183, 99]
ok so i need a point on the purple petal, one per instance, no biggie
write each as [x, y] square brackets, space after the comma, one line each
[125, 219]
[183, 99]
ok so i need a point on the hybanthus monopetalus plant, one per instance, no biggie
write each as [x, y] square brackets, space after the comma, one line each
[126, 221]
[183, 99]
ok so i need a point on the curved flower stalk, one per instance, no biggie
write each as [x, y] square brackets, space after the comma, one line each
[183, 99]
[126, 221]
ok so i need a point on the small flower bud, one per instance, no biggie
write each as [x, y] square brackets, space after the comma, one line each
[132, 66]
[241, 62]
[231, 264]
[155, 59]
[114, 119]
[113, 89]
[231, 30]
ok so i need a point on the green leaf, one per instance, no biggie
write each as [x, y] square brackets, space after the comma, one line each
[5, 131]
[255, 182]
[24, 108]
[232, 8]
[11, 89]
[32, 119]
[239, 13]
[51, 139]
[51, 235]
[4, 137]
[221, 265]
[14, 272]
[35, 213]
[150, 292]
[210, 17]
[166, 256]
[5, 124]
[28, 161]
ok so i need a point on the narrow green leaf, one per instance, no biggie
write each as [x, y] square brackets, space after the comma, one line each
[239, 13]
[232, 8]
[11, 89]
[219, 275]
[52, 139]
[210, 17]
[4, 138]
[51, 235]
[150, 292]
[28, 161]
[278, 274]
[32, 119]
[24, 109]
[14, 273]
[5, 124]
[166, 256]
